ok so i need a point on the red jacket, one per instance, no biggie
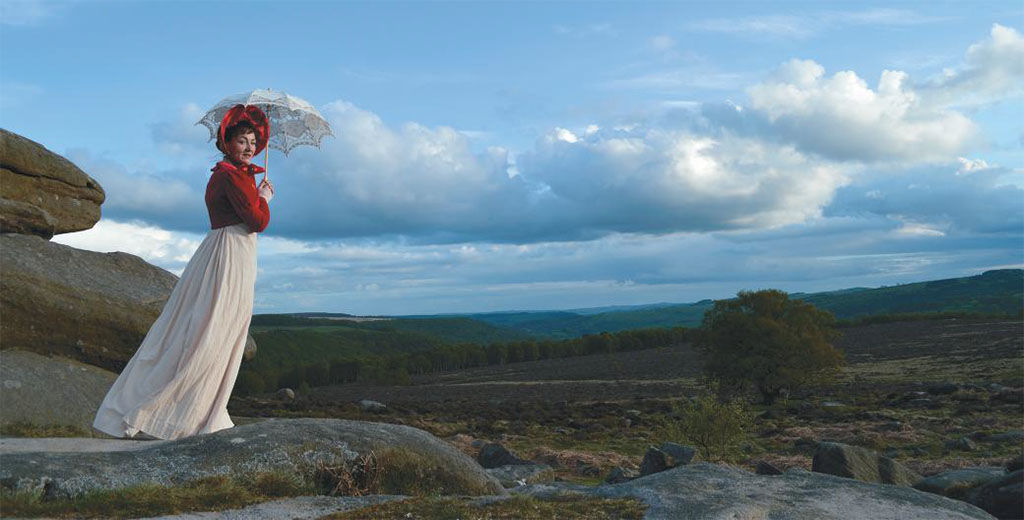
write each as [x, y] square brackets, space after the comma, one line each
[232, 198]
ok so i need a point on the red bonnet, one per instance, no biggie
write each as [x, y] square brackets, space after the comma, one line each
[250, 114]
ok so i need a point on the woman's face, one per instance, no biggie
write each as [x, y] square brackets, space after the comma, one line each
[241, 147]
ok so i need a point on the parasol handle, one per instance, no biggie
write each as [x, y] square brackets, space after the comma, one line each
[266, 158]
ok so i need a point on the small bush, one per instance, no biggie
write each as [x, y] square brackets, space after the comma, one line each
[716, 428]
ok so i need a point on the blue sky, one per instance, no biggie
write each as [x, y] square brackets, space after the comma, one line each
[532, 155]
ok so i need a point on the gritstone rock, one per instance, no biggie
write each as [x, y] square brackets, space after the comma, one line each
[705, 491]
[89, 306]
[843, 460]
[43, 193]
[294, 445]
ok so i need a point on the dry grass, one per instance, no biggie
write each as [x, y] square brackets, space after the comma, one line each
[358, 477]
[511, 508]
[582, 463]
[933, 467]
[26, 429]
[213, 493]
[394, 471]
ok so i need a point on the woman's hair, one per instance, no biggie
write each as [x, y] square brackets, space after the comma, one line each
[233, 131]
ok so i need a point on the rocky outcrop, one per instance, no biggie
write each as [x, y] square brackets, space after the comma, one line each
[711, 492]
[46, 391]
[996, 490]
[654, 461]
[1003, 497]
[294, 445]
[43, 193]
[843, 460]
[667, 455]
[959, 482]
[368, 405]
[494, 455]
[89, 306]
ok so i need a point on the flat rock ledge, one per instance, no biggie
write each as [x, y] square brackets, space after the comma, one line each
[706, 491]
[272, 445]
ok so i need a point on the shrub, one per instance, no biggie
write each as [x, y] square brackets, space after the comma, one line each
[715, 427]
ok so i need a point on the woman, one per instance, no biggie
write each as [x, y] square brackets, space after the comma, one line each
[178, 382]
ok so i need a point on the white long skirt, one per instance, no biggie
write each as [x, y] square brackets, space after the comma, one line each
[178, 382]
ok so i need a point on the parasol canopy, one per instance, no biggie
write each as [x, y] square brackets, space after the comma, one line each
[293, 121]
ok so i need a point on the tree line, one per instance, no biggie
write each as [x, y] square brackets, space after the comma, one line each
[398, 368]
[761, 342]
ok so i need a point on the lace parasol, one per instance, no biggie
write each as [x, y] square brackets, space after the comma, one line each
[293, 121]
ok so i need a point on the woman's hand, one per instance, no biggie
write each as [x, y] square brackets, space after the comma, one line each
[266, 190]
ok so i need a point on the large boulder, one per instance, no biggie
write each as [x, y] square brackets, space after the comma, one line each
[843, 460]
[706, 491]
[53, 391]
[958, 483]
[89, 306]
[49, 391]
[494, 455]
[294, 445]
[1003, 497]
[43, 193]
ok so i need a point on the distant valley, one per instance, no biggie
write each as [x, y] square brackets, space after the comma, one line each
[996, 292]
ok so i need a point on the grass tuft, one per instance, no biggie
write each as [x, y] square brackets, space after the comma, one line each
[394, 471]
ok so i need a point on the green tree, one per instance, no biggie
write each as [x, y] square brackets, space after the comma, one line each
[765, 340]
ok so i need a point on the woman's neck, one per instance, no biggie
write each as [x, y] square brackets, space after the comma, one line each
[234, 163]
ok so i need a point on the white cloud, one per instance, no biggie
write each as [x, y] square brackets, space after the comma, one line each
[671, 80]
[167, 249]
[970, 165]
[169, 198]
[804, 135]
[993, 70]
[655, 180]
[586, 30]
[772, 25]
[840, 116]
[662, 43]
[29, 12]
[918, 229]
[562, 134]
[181, 138]
[810, 24]
[823, 253]
[950, 198]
